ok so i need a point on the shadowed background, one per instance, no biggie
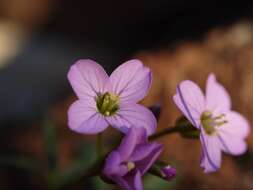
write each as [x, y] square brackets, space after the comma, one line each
[179, 40]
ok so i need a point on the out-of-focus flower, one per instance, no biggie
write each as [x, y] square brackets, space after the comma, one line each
[221, 129]
[168, 172]
[105, 100]
[12, 39]
[132, 159]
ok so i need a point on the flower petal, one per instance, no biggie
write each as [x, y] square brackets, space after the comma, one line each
[122, 183]
[133, 115]
[131, 81]
[233, 134]
[135, 136]
[83, 118]
[87, 78]
[144, 164]
[217, 98]
[190, 100]
[134, 181]
[113, 165]
[137, 181]
[211, 152]
[142, 151]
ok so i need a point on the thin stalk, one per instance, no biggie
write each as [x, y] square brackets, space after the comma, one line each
[99, 145]
[164, 132]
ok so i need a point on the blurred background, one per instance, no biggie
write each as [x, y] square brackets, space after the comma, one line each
[177, 39]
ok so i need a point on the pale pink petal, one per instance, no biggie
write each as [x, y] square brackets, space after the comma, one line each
[83, 118]
[217, 98]
[87, 78]
[131, 81]
[211, 153]
[190, 100]
[233, 134]
[133, 115]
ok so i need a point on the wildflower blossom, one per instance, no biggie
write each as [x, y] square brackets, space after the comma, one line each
[105, 100]
[221, 129]
[132, 159]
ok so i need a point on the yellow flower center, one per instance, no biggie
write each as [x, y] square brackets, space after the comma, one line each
[209, 122]
[107, 103]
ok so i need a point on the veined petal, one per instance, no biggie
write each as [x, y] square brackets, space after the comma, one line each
[211, 153]
[190, 100]
[233, 133]
[133, 115]
[83, 118]
[217, 98]
[87, 78]
[134, 137]
[131, 81]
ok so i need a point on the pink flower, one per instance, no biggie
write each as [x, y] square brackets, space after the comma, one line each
[105, 100]
[221, 129]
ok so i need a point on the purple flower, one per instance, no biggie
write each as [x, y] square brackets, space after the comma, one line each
[168, 172]
[132, 159]
[221, 129]
[105, 100]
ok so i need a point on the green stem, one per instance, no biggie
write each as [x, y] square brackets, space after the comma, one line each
[164, 132]
[156, 172]
[99, 145]
[94, 170]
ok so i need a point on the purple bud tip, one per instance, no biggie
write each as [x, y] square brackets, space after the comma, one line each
[168, 172]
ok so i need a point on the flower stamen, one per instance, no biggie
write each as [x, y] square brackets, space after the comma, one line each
[107, 104]
[209, 122]
[130, 166]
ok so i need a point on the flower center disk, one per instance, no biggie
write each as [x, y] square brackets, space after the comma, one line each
[107, 103]
[209, 122]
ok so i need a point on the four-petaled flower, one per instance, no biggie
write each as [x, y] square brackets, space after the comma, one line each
[221, 129]
[132, 159]
[105, 100]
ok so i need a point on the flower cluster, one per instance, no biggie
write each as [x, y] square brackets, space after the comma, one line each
[113, 101]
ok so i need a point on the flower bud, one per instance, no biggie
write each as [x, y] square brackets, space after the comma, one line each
[168, 172]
